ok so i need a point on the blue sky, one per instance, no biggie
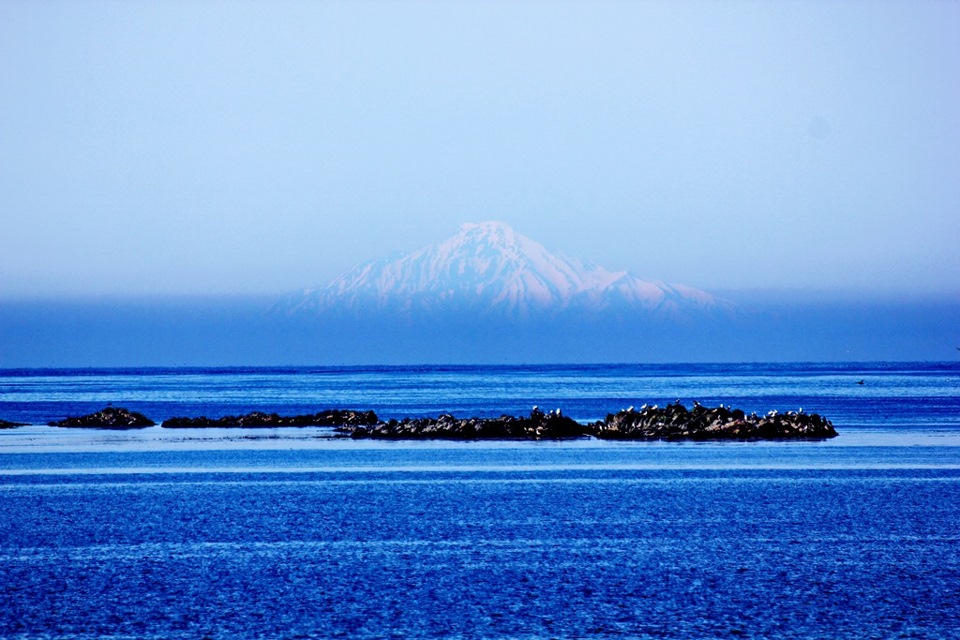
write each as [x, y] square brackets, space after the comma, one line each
[259, 147]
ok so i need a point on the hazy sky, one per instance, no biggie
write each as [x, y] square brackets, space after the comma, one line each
[225, 147]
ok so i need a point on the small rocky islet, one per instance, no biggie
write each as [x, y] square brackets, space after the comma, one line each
[674, 422]
[108, 418]
[329, 418]
[538, 426]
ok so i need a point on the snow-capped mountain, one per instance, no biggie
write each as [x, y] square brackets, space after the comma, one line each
[490, 268]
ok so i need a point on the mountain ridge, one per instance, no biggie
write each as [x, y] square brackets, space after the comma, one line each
[489, 268]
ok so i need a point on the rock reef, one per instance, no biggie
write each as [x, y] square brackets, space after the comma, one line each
[109, 418]
[539, 426]
[672, 422]
[676, 422]
[329, 418]
[6, 424]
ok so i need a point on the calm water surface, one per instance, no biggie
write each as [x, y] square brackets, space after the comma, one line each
[892, 394]
[290, 533]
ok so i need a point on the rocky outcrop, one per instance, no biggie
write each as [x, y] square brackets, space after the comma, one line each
[109, 418]
[672, 422]
[6, 424]
[329, 418]
[676, 422]
[538, 426]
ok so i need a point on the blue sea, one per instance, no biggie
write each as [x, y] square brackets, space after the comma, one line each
[296, 533]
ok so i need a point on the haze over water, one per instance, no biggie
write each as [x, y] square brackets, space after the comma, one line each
[153, 149]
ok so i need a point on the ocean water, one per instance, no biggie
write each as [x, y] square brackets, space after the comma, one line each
[292, 533]
[907, 395]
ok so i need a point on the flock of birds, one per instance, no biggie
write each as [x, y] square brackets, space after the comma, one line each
[770, 414]
[631, 408]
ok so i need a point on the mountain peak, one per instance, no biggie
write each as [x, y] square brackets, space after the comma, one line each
[490, 234]
[487, 267]
[491, 230]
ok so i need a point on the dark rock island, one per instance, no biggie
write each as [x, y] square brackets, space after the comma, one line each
[539, 426]
[109, 418]
[676, 422]
[673, 422]
[6, 424]
[329, 418]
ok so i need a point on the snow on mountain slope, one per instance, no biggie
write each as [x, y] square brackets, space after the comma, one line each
[490, 267]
